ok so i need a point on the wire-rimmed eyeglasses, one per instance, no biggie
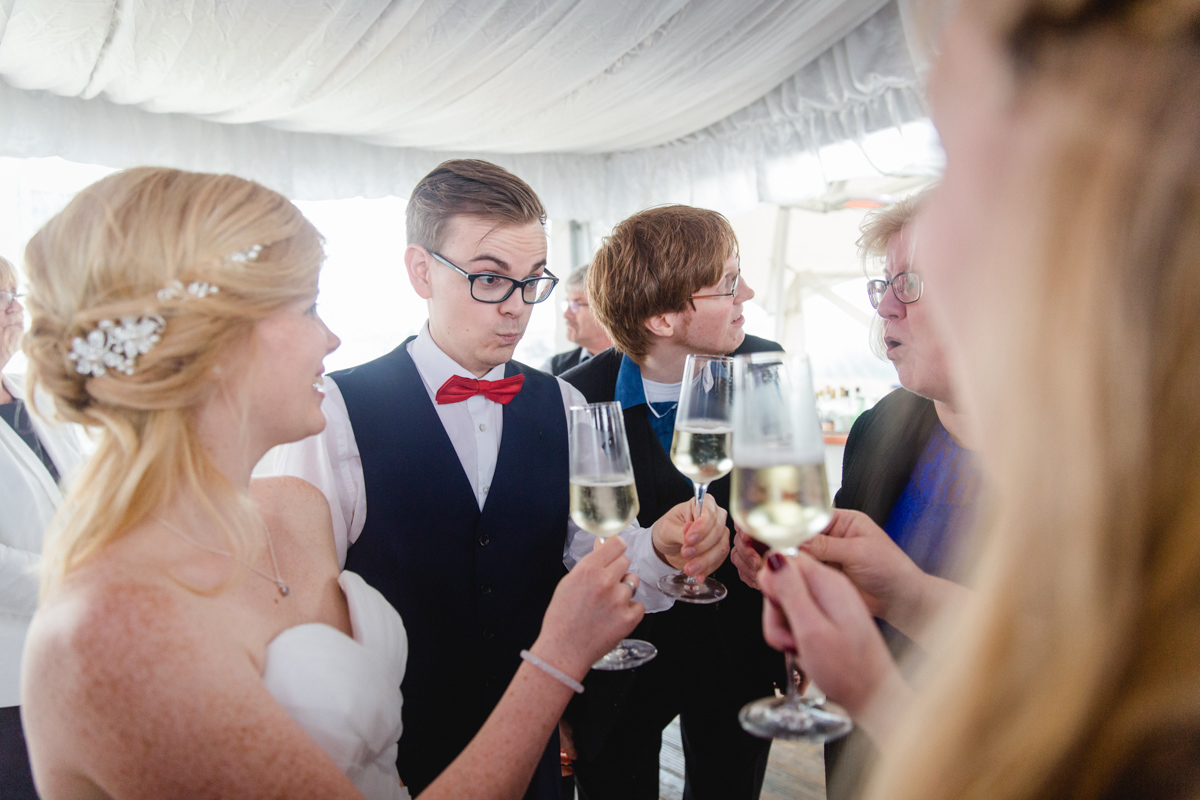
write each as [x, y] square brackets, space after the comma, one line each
[728, 288]
[575, 305]
[488, 287]
[7, 298]
[907, 286]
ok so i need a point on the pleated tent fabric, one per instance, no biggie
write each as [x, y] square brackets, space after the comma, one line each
[605, 106]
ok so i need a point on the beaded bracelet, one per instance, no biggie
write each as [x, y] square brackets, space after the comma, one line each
[553, 671]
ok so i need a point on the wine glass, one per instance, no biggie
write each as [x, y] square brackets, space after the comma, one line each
[780, 497]
[604, 498]
[700, 450]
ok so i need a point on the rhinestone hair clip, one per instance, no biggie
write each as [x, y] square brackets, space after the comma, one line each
[117, 345]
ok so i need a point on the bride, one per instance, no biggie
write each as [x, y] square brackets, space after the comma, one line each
[195, 638]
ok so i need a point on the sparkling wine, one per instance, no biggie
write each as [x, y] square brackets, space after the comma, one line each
[702, 453]
[782, 505]
[603, 506]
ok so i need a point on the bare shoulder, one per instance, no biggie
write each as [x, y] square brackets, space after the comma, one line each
[293, 506]
[136, 688]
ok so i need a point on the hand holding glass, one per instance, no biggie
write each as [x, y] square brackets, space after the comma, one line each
[780, 497]
[701, 451]
[604, 497]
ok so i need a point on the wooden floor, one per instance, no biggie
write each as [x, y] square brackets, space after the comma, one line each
[796, 770]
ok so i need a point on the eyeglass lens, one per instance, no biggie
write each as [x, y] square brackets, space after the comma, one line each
[497, 288]
[7, 298]
[906, 286]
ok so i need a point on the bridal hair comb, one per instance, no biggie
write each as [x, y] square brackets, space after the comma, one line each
[117, 344]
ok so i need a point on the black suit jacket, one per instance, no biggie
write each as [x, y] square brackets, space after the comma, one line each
[561, 362]
[881, 452]
[731, 628]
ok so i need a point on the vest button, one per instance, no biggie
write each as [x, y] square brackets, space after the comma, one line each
[485, 589]
[484, 540]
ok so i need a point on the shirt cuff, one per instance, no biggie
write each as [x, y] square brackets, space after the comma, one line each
[648, 567]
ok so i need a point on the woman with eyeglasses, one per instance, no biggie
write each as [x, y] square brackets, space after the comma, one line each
[34, 456]
[908, 482]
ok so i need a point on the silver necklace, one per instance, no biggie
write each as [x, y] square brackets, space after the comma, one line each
[277, 580]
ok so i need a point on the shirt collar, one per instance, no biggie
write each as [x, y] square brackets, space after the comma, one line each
[435, 367]
[629, 391]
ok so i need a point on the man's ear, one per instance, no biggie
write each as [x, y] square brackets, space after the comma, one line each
[665, 326]
[418, 262]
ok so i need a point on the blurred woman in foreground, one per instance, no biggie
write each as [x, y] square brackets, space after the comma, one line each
[195, 638]
[1064, 245]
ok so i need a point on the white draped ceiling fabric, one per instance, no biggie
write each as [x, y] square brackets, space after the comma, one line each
[604, 106]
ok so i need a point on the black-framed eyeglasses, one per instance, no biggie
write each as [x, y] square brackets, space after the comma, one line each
[907, 286]
[728, 289]
[488, 287]
[7, 298]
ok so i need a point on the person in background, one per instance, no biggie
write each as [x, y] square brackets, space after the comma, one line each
[446, 464]
[196, 637]
[582, 327]
[37, 457]
[908, 481]
[1061, 254]
[667, 283]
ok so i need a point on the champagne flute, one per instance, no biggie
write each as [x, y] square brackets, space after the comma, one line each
[701, 451]
[604, 498]
[780, 497]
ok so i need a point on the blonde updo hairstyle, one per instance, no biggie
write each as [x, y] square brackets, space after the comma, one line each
[106, 256]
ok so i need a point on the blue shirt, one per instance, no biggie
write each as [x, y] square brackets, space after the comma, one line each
[630, 392]
[930, 511]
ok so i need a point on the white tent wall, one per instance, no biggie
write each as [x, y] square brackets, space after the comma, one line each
[609, 108]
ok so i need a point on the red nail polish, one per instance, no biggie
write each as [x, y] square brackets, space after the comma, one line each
[776, 562]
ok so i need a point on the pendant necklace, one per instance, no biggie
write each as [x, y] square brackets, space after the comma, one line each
[277, 580]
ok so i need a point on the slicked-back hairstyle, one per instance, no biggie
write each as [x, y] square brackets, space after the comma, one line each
[468, 187]
[577, 279]
[651, 264]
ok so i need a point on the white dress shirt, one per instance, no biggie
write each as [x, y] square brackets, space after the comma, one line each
[331, 462]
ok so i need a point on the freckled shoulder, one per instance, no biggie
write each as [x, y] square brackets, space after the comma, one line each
[294, 507]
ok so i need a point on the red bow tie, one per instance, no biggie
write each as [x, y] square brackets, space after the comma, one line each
[459, 388]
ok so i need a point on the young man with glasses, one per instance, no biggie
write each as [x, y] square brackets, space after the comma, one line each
[667, 283]
[582, 327]
[446, 467]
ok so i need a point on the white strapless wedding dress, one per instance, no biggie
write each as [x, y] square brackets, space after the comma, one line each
[346, 692]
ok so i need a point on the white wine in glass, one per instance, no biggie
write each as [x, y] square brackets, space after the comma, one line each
[702, 451]
[604, 498]
[780, 497]
[603, 506]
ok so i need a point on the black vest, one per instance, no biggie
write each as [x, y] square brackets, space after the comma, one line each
[471, 585]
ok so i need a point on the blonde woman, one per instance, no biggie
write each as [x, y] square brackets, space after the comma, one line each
[195, 638]
[1064, 242]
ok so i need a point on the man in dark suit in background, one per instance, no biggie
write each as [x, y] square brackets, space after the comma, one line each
[582, 327]
[665, 284]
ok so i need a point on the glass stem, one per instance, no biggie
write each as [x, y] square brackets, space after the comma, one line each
[701, 488]
[794, 677]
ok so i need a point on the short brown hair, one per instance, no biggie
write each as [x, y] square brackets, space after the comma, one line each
[468, 187]
[651, 264]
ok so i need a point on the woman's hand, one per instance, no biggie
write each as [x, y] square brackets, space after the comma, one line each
[893, 586]
[747, 556]
[816, 612]
[591, 611]
[694, 545]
